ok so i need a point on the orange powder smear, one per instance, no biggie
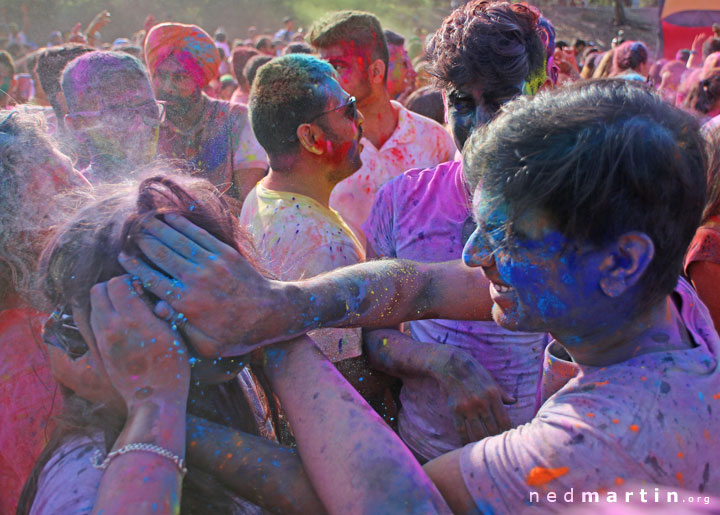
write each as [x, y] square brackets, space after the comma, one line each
[679, 477]
[680, 455]
[541, 475]
[591, 415]
[716, 396]
[603, 383]
[619, 480]
[634, 427]
[706, 433]
[616, 421]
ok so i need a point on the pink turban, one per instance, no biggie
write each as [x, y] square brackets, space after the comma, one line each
[193, 47]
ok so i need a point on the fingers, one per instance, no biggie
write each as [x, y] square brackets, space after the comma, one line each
[164, 257]
[154, 281]
[100, 301]
[176, 226]
[476, 429]
[487, 415]
[203, 344]
[459, 421]
[500, 415]
[176, 240]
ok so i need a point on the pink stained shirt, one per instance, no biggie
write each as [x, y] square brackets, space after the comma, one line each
[29, 398]
[650, 420]
[424, 215]
[417, 142]
[705, 245]
[298, 238]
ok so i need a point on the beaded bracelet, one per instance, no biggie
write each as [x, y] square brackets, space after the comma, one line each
[146, 447]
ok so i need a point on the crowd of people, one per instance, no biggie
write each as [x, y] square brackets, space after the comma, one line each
[341, 270]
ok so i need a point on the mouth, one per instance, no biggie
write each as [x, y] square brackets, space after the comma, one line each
[499, 291]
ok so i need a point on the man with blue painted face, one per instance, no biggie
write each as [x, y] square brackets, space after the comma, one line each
[586, 201]
[477, 378]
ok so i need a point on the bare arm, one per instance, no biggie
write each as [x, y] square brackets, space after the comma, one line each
[354, 460]
[696, 58]
[263, 472]
[147, 365]
[445, 473]
[233, 309]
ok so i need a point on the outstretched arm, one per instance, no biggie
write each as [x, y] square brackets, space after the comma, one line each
[232, 309]
[263, 472]
[356, 463]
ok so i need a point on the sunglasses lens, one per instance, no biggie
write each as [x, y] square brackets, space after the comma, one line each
[351, 110]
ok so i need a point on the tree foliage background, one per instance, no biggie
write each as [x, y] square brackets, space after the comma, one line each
[234, 15]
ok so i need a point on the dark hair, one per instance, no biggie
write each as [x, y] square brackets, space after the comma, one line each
[704, 93]
[493, 42]
[393, 38]
[253, 65]
[283, 97]
[601, 158]
[49, 68]
[578, 43]
[99, 73]
[630, 55]
[561, 44]
[299, 47]
[427, 101]
[7, 60]
[83, 252]
[361, 28]
[263, 42]
[240, 56]
[711, 45]
[683, 55]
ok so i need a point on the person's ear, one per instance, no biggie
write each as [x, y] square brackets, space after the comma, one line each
[311, 136]
[626, 261]
[376, 71]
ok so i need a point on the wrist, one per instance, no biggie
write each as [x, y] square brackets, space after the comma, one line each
[158, 423]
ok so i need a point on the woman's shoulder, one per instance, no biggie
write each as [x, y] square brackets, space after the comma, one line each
[69, 483]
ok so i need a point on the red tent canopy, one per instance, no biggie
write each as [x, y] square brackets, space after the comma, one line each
[682, 20]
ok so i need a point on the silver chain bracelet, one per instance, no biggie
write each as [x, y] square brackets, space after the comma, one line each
[97, 461]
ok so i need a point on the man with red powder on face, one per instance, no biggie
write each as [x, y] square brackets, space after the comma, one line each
[311, 131]
[213, 135]
[395, 139]
[401, 74]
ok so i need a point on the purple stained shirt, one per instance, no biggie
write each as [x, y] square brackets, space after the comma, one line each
[649, 421]
[424, 215]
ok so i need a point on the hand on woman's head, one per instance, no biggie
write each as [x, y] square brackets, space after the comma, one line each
[144, 358]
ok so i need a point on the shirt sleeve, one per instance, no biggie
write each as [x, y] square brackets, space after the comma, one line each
[379, 226]
[446, 146]
[705, 246]
[248, 153]
[559, 451]
[68, 483]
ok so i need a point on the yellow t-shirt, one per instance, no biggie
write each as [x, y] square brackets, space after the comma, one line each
[298, 238]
